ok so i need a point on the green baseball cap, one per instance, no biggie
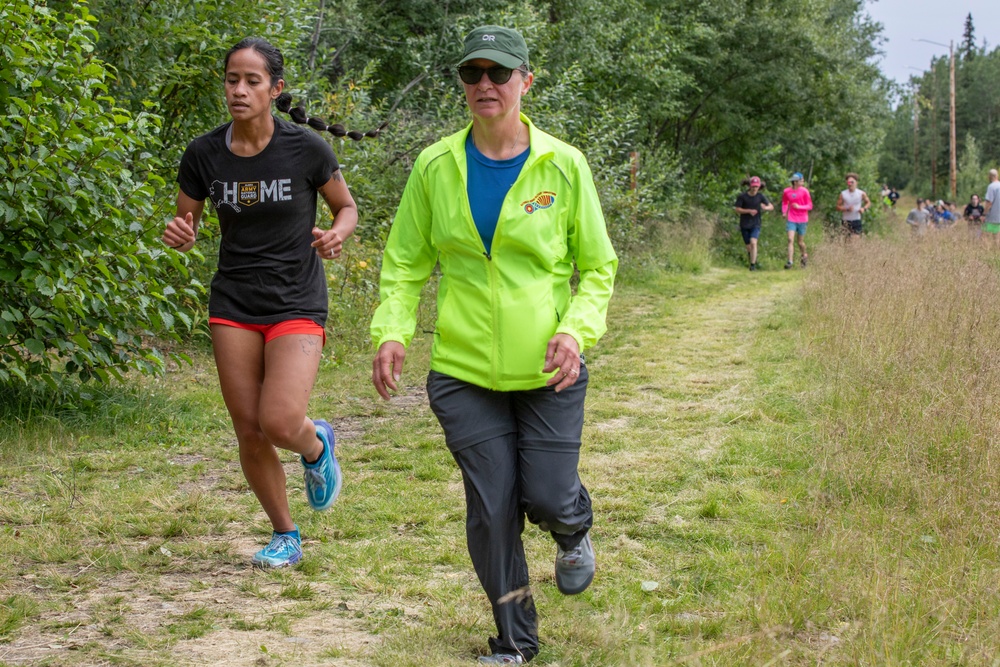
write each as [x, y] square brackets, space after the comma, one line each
[503, 46]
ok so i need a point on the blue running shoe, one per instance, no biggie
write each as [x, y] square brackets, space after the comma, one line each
[323, 478]
[285, 549]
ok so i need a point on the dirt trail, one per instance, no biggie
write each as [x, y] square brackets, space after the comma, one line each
[690, 354]
[699, 343]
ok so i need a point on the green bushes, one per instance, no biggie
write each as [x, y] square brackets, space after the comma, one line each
[93, 124]
[80, 271]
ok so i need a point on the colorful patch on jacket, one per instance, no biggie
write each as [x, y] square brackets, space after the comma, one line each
[539, 201]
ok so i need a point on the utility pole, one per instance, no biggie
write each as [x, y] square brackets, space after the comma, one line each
[916, 135]
[953, 167]
[916, 126]
[953, 174]
[934, 131]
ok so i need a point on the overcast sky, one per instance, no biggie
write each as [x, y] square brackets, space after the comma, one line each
[937, 20]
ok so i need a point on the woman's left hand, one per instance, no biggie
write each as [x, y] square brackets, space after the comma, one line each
[328, 243]
[563, 353]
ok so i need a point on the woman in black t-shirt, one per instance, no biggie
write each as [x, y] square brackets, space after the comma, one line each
[268, 303]
[973, 213]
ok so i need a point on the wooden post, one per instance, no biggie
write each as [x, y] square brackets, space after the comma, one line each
[953, 173]
[934, 132]
[916, 135]
[634, 170]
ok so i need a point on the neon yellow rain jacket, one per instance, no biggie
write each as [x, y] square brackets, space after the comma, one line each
[497, 312]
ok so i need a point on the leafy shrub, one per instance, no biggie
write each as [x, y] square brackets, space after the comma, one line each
[82, 274]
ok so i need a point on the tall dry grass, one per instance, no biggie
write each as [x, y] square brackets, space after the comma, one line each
[907, 335]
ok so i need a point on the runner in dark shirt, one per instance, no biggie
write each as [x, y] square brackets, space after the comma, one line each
[268, 303]
[749, 205]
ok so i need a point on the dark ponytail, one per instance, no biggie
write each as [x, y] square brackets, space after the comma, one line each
[298, 114]
[275, 64]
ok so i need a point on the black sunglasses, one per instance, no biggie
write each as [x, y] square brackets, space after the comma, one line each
[472, 75]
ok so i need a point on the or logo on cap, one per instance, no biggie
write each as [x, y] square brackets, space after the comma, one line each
[504, 46]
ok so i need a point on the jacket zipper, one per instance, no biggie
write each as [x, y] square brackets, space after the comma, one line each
[496, 319]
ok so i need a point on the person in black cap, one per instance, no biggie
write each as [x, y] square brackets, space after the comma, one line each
[509, 212]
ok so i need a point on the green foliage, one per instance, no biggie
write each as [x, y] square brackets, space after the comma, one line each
[977, 119]
[170, 55]
[167, 58]
[973, 177]
[80, 269]
[895, 165]
[659, 95]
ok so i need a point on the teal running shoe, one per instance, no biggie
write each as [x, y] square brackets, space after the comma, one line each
[323, 478]
[285, 549]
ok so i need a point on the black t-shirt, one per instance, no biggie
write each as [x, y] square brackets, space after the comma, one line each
[974, 213]
[745, 200]
[266, 204]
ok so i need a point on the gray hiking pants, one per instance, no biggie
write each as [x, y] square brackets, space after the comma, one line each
[518, 452]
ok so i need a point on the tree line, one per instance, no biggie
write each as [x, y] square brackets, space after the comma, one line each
[916, 154]
[674, 102]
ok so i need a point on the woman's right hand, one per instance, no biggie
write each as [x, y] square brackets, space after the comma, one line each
[180, 232]
[388, 367]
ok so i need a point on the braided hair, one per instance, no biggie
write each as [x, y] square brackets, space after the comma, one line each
[298, 114]
[275, 64]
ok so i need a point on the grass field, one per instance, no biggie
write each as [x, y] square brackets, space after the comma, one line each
[787, 467]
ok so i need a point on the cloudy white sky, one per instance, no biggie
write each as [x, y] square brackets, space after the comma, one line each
[941, 21]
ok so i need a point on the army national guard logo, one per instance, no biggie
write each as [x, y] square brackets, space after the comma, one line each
[249, 193]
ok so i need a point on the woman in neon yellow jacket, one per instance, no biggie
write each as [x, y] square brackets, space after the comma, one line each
[509, 212]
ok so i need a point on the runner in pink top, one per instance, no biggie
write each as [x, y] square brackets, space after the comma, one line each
[796, 202]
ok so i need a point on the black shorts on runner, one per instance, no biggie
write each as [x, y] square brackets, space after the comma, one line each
[751, 233]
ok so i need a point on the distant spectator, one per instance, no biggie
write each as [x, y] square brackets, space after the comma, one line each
[943, 215]
[918, 219]
[893, 197]
[991, 216]
[930, 206]
[973, 215]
